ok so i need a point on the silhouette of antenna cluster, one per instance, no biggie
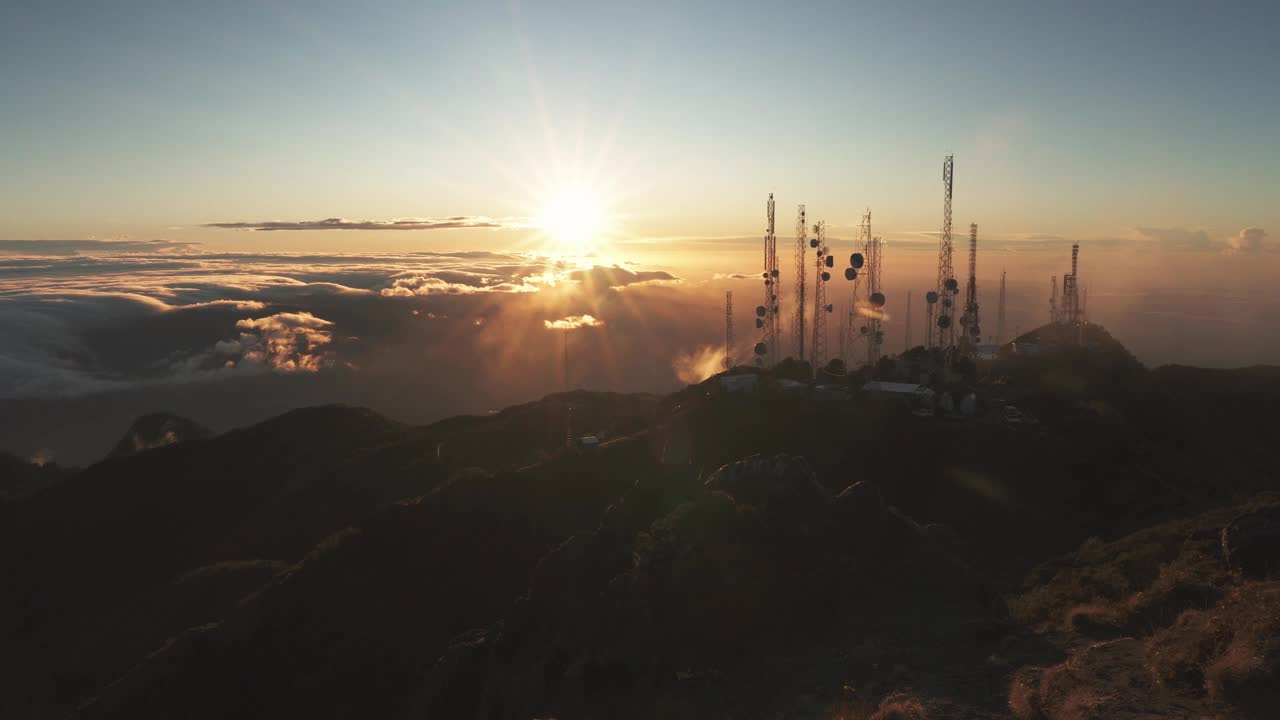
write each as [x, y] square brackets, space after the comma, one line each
[951, 326]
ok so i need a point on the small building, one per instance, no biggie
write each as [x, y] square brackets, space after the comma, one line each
[917, 396]
[792, 387]
[745, 383]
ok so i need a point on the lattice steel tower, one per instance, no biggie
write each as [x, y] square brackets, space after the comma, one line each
[728, 329]
[969, 323]
[797, 328]
[1054, 315]
[769, 322]
[947, 288]
[875, 297]
[856, 329]
[1000, 313]
[820, 307]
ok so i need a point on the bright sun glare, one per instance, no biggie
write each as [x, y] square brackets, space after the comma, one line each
[573, 218]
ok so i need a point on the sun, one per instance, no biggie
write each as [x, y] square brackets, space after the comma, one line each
[573, 217]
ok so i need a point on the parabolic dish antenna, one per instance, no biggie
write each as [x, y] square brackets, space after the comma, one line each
[856, 260]
[931, 297]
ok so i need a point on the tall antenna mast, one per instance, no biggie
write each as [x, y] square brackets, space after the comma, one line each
[972, 328]
[802, 231]
[1053, 299]
[767, 314]
[1071, 293]
[728, 329]
[820, 306]
[875, 294]
[1000, 313]
[856, 327]
[947, 287]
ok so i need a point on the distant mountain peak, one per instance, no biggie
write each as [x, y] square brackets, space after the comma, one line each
[157, 430]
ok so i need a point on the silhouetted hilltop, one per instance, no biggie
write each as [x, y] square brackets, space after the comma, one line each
[21, 478]
[157, 430]
[782, 550]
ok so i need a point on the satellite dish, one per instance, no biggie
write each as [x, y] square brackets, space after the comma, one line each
[826, 276]
[944, 321]
[946, 302]
[759, 311]
[931, 297]
[761, 348]
[813, 242]
[774, 272]
[759, 323]
[879, 336]
[877, 299]
[951, 284]
[764, 275]
[759, 362]
[856, 260]
[975, 331]
[864, 330]
[850, 274]
[831, 261]
[816, 227]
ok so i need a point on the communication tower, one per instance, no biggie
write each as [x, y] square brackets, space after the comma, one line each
[1000, 313]
[972, 329]
[875, 298]
[728, 329]
[1053, 300]
[822, 274]
[947, 287]
[767, 313]
[802, 232]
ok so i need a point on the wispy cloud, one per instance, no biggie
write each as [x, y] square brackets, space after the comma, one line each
[37, 248]
[409, 223]
[1174, 237]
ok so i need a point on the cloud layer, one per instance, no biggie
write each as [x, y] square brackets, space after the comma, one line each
[412, 223]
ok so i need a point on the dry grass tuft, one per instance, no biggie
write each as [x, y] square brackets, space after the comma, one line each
[1231, 649]
[900, 706]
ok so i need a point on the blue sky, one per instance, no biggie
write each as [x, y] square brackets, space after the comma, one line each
[1082, 119]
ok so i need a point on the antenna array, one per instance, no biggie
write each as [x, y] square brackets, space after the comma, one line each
[768, 322]
[728, 329]
[822, 274]
[947, 287]
[802, 232]
[972, 329]
[1000, 313]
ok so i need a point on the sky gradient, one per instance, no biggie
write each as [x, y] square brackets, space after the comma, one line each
[150, 119]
